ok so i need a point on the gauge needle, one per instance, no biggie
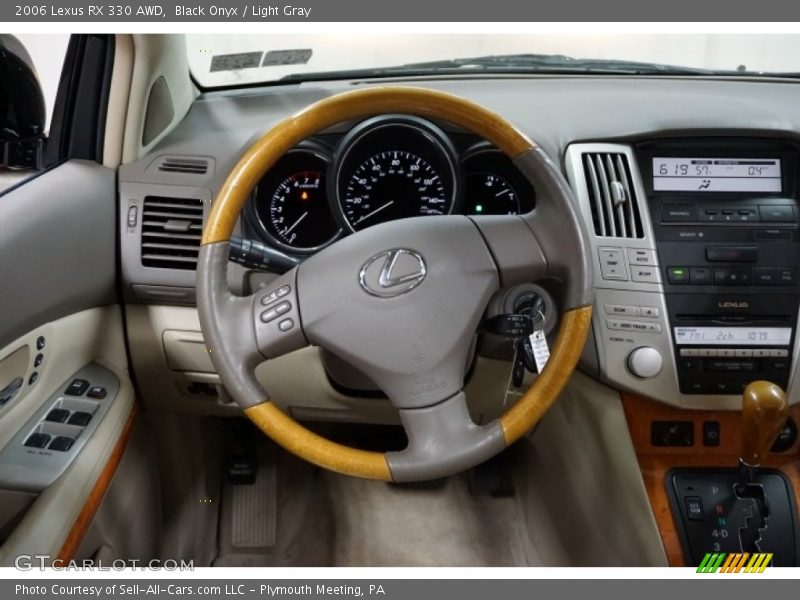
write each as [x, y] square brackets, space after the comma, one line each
[377, 210]
[296, 223]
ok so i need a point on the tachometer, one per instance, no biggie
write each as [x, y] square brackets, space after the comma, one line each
[392, 168]
[291, 203]
[392, 185]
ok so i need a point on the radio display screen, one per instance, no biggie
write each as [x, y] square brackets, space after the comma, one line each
[671, 174]
[734, 336]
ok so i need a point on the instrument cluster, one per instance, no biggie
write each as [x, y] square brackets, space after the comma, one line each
[384, 168]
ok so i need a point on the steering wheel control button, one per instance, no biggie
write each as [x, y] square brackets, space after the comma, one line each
[275, 295]
[61, 443]
[275, 312]
[40, 343]
[78, 387]
[81, 419]
[612, 264]
[645, 362]
[286, 324]
[37, 440]
[57, 415]
[97, 392]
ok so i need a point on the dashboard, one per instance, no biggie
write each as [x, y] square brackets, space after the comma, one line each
[693, 214]
[384, 168]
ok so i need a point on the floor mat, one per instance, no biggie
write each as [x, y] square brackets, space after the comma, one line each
[326, 519]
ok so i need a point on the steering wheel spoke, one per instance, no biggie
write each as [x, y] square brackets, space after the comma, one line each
[276, 317]
[443, 439]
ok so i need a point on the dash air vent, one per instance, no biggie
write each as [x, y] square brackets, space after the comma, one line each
[191, 166]
[171, 232]
[615, 210]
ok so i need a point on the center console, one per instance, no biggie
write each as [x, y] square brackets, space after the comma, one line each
[698, 258]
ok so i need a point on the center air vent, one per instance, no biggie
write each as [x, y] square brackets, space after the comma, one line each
[171, 232]
[192, 166]
[615, 210]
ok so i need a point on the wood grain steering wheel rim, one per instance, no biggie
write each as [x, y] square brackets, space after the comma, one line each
[575, 321]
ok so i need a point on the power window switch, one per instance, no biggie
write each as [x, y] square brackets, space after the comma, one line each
[61, 443]
[37, 440]
[57, 415]
[97, 392]
[81, 419]
[694, 508]
[77, 388]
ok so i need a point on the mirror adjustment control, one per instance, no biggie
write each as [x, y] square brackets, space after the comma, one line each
[77, 388]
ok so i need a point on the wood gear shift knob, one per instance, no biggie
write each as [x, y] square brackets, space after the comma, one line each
[764, 413]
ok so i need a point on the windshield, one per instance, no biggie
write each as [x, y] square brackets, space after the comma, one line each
[225, 60]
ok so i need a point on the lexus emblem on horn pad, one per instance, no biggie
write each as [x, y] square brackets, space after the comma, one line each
[392, 272]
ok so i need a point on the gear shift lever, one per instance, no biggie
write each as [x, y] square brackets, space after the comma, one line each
[764, 413]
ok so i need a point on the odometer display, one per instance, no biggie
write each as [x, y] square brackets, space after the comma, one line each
[392, 185]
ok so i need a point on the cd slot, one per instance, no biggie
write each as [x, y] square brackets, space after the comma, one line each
[734, 319]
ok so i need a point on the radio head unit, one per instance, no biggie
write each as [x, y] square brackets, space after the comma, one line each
[725, 219]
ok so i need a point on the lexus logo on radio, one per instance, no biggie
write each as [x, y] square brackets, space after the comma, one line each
[732, 304]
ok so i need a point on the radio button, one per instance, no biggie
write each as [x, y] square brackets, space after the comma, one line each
[707, 352]
[779, 365]
[690, 352]
[649, 311]
[678, 275]
[777, 353]
[645, 274]
[621, 309]
[785, 276]
[761, 353]
[743, 353]
[678, 213]
[700, 276]
[766, 276]
[612, 264]
[726, 352]
[641, 256]
[733, 276]
[776, 214]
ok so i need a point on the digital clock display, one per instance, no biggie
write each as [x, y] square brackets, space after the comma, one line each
[672, 174]
[734, 336]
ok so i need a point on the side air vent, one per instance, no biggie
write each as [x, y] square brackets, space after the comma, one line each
[171, 232]
[615, 209]
[192, 166]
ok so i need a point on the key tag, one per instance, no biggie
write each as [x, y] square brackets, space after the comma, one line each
[541, 351]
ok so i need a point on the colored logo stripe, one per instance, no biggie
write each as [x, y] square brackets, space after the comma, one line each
[735, 562]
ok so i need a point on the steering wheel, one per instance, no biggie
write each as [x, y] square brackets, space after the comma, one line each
[402, 300]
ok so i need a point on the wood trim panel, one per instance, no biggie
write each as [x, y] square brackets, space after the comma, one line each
[81, 525]
[655, 462]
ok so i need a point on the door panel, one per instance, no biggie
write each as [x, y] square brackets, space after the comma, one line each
[57, 246]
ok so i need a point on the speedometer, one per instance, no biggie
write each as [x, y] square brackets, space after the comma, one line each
[393, 167]
[391, 185]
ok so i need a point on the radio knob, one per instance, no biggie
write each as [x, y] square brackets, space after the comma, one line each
[645, 362]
